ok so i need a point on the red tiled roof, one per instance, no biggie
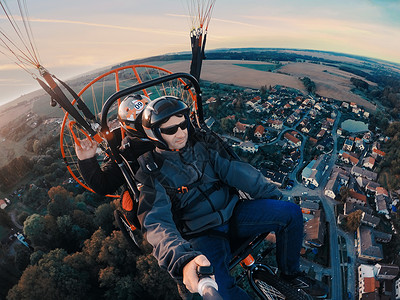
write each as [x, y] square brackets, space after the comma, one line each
[379, 152]
[291, 138]
[355, 195]
[382, 191]
[260, 129]
[240, 126]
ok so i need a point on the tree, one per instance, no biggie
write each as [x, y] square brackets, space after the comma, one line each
[104, 217]
[61, 202]
[34, 228]
[51, 278]
[5, 219]
[227, 124]
[344, 193]
[22, 256]
[309, 85]
[354, 220]
[155, 280]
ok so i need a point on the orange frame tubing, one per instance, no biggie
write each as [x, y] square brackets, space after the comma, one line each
[76, 140]
[97, 137]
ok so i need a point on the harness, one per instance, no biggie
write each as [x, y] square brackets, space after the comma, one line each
[153, 162]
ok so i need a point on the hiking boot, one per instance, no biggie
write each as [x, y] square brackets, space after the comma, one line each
[311, 286]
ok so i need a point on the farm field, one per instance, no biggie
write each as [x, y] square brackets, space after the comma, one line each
[330, 81]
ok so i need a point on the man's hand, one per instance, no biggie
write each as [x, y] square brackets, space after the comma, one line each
[86, 150]
[190, 278]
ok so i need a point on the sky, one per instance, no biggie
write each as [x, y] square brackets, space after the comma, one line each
[73, 37]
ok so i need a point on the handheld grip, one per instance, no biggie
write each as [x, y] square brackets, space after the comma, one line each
[207, 287]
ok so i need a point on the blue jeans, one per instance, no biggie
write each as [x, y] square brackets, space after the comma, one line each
[252, 218]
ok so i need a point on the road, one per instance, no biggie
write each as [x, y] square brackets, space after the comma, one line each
[334, 233]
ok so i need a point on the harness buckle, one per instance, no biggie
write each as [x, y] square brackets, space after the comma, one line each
[183, 189]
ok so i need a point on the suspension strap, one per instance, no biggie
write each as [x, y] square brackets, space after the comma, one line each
[80, 104]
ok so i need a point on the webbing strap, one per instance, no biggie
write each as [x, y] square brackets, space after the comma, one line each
[81, 105]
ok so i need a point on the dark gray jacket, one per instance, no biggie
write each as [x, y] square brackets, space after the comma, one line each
[197, 164]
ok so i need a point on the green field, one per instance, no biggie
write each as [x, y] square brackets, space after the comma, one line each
[265, 68]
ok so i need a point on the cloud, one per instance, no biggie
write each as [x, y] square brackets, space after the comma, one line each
[118, 27]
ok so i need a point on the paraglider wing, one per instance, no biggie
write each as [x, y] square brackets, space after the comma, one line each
[200, 13]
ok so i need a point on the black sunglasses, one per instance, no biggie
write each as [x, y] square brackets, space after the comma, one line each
[173, 129]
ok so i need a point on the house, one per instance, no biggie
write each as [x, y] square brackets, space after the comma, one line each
[330, 121]
[339, 131]
[291, 119]
[381, 205]
[377, 153]
[382, 237]
[248, 146]
[386, 271]
[381, 191]
[357, 171]
[360, 144]
[306, 129]
[321, 133]
[274, 177]
[357, 198]
[313, 113]
[352, 207]
[367, 283]
[376, 281]
[397, 289]
[309, 207]
[304, 122]
[312, 140]
[367, 248]
[356, 110]
[3, 204]
[376, 145]
[313, 172]
[367, 137]
[334, 184]
[368, 185]
[348, 145]
[369, 220]
[318, 106]
[252, 103]
[369, 162]
[259, 132]
[315, 230]
[277, 124]
[348, 158]
[325, 125]
[239, 128]
[293, 141]
[345, 104]
[211, 100]
[366, 114]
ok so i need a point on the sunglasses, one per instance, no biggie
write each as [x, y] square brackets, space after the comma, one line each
[173, 129]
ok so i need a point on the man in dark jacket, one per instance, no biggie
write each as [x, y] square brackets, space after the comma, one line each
[186, 197]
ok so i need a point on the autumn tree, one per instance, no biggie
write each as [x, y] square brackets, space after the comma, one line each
[354, 220]
[343, 194]
[50, 278]
[61, 202]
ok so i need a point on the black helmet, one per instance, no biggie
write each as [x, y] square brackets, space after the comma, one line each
[129, 113]
[158, 112]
